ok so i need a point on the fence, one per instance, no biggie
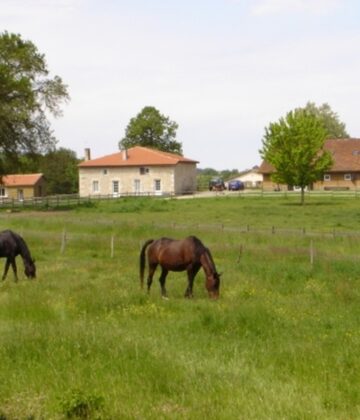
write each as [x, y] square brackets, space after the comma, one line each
[68, 200]
[75, 199]
[313, 249]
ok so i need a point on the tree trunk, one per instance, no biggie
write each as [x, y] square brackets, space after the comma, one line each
[302, 195]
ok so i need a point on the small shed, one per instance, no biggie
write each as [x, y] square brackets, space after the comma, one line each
[22, 186]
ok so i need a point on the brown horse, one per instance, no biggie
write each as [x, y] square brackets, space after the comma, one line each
[179, 255]
[12, 245]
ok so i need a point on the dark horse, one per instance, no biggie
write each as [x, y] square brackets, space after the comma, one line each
[12, 245]
[187, 254]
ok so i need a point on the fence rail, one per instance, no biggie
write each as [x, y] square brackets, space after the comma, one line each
[76, 199]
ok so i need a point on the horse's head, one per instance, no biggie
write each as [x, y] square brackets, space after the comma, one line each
[30, 269]
[213, 285]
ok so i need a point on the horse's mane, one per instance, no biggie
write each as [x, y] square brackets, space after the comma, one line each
[23, 248]
[202, 249]
[210, 257]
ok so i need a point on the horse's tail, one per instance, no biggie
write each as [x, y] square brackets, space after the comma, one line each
[142, 261]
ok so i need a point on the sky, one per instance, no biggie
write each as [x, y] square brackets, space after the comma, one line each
[223, 70]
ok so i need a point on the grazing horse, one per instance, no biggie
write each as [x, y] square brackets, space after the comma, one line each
[179, 255]
[12, 245]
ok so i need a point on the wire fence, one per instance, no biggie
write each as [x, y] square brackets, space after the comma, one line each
[307, 246]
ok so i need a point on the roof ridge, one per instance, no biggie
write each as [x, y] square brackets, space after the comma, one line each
[161, 152]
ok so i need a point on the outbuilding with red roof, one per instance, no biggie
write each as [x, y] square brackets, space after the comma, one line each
[343, 175]
[22, 186]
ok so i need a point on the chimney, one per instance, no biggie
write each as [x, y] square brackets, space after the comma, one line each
[87, 154]
[124, 154]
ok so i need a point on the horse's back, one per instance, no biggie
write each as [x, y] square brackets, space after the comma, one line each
[176, 254]
[8, 243]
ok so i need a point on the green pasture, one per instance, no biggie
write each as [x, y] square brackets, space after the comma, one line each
[282, 342]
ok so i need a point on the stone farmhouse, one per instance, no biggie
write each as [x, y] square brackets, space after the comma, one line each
[22, 186]
[343, 175]
[137, 171]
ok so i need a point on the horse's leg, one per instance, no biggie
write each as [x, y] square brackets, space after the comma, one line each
[192, 270]
[152, 268]
[6, 269]
[13, 265]
[162, 281]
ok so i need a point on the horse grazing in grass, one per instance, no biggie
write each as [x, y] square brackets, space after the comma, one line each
[179, 255]
[12, 245]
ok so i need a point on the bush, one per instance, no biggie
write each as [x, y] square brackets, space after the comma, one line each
[77, 404]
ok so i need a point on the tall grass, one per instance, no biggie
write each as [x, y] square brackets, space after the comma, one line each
[83, 341]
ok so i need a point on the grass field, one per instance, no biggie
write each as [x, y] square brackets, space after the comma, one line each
[282, 342]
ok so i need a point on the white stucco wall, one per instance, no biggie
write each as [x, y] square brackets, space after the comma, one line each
[185, 178]
[173, 179]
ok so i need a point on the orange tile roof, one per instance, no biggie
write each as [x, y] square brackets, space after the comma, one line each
[20, 180]
[345, 153]
[137, 156]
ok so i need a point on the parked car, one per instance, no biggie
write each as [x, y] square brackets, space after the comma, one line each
[216, 184]
[235, 185]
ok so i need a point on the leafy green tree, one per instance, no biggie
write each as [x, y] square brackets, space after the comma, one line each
[60, 169]
[151, 129]
[330, 120]
[27, 96]
[209, 172]
[294, 146]
[229, 173]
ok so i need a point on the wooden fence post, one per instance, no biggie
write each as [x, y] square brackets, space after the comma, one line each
[240, 254]
[311, 253]
[63, 242]
[112, 246]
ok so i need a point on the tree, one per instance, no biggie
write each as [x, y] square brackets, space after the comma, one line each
[294, 146]
[60, 171]
[151, 129]
[27, 94]
[330, 120]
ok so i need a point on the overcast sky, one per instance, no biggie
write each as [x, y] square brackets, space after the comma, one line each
[222, 69]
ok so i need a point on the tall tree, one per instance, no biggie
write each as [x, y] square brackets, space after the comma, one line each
[294, 146]
[60, 171]
[151, 129]
[330, 120]
[26, 95]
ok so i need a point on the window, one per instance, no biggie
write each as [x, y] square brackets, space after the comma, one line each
[20, 195]
[95, 187]
[2, 192]
[347, 177]
[137, 186]
[144, 171]
[115, 187]
[105, 171]
[327, 177]
[157, 185]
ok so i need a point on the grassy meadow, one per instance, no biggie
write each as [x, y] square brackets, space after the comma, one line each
[282, 342]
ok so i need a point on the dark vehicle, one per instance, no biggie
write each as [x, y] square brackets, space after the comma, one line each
[235, 185]
[216, 184]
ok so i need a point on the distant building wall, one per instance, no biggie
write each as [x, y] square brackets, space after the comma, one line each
[185, 178]
[340, 180]
[24, 192]
[130, 180]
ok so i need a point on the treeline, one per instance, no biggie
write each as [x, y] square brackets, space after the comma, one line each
[59, 167]
[204, 176]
